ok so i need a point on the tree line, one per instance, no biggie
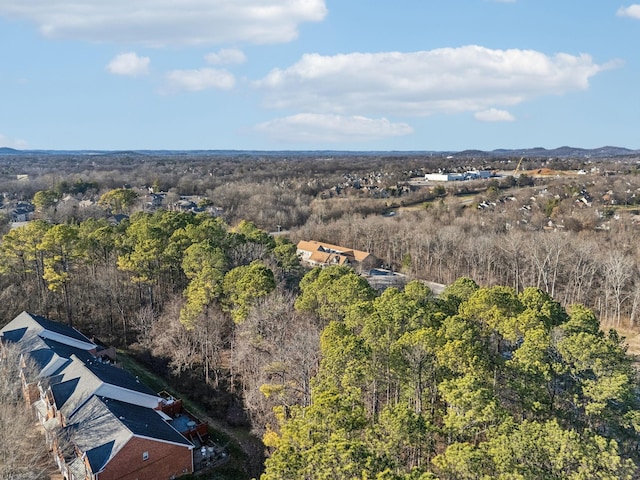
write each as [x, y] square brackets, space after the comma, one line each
[570, 253]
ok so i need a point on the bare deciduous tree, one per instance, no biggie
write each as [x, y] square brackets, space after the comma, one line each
[23, 453]
[618, 269]
[276, 353]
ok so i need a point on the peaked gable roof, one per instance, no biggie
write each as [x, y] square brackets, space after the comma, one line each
[103, 405]
[97, 433]
[58, 328]
[118, 377]
[330, 258]
[52, 357]
[314, 246]
[73, 385]
[63, 391]
[78, 380]
[48, 355]
[26, 323]
[103, 426]
[145, 422]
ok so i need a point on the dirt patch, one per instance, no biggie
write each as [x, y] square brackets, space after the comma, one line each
[631, 338]
[543, 172]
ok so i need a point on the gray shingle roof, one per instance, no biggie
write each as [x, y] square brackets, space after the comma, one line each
[48, 355]
[97, 433]
[13, 335]
[116, 376]
[74, 385]
[78, 380]
[105, 406]
[145, 422]
[60, 328]
[32, 321]
[103, 426]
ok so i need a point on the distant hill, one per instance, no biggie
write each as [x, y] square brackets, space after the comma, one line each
[560, 152]
[9, 151]
[565, 151]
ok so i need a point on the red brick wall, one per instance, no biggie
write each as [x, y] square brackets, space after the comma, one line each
[165, 460]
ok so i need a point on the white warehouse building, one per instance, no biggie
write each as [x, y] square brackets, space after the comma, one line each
[450, 177]
[443, 177]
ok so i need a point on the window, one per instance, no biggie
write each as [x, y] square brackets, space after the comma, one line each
[145, 455]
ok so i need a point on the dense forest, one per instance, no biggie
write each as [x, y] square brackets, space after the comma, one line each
[479, 383]
[510, 373]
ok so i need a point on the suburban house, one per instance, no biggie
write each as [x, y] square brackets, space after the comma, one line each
[120, 440]
[324, 254]
[101, 422]
[22, 212]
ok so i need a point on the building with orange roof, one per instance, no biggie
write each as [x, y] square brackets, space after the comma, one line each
[320, 254]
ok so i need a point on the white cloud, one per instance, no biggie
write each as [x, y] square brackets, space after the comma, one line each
[469, 78]
[12, 142]
[129, 64]
[163, 22]
[226, 56]
[494, 115]
[198, 80]
[310, 128]
[632, 11]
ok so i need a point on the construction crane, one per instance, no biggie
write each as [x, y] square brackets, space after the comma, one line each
[518, 166]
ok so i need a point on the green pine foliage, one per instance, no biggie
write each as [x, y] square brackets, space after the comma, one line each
[481, 383]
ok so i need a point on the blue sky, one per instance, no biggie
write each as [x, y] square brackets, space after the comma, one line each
[319, 74]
